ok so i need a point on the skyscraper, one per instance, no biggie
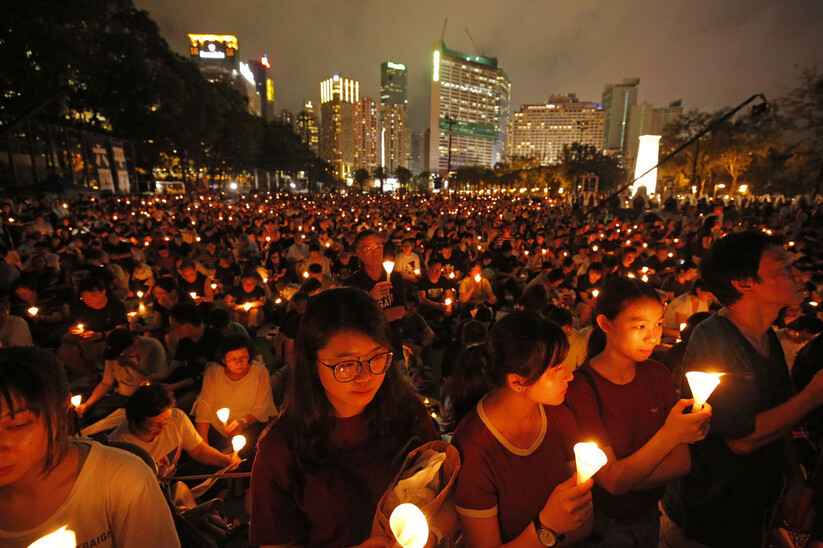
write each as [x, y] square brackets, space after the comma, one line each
[338, 96]
[645, 119]
[541, 131]
[307, 128]
[366, 129]
[394, 135]
[469, 110]
[617, 101]
[216, 57]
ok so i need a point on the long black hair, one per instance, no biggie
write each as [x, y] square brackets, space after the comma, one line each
[390, 417]
[615, 295]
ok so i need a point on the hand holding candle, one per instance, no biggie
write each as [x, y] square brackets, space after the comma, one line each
[409, 526]
[702, 385]
[589, 459]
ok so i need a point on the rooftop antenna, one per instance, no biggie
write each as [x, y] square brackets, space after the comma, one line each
[442, 34]
[480, 52]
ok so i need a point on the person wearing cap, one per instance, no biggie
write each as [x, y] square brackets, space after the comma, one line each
[130, 361]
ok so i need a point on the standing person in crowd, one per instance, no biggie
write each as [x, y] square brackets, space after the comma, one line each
[106, 496]
[348, 422]
[628, 404]
[515, 487]
[739, 471]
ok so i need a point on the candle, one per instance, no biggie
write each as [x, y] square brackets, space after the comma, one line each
[589, 459]
[76, 400]
[193, 295]
[139, 294]
[62, 538]
[477, 278]
[80, 329]
[238, 442]
[409, 526]
[682, 326]
[223, 415]
[702, 385]
[278, 300]
[388, 266]
[416, 271]
[33, 311]
[595, 293]
[141, 309]
[448, 301]
[247, 307]
[213, 286]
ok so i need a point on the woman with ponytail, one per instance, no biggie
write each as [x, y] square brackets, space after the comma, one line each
[516, 486]
[628, 404]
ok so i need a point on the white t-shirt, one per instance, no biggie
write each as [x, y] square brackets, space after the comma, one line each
[151, 358]
[406, 265]
[250, 395]
[115, 502]
[682, 305]
[15, 332]
[178, 435]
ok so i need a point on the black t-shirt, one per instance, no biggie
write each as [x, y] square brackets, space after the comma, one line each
[291, 323]
[196, 354]
[397, 296]
[226, 275]
[435, 291]
[102, 320]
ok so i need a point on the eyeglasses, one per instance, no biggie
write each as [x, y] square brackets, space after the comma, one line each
[371, 248]
[348, 370]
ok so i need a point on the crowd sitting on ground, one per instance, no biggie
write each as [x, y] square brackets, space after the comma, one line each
[513, 326]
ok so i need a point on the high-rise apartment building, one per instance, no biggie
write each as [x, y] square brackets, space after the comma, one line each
[617, 102]
[307, 127]
[366, 129]
[541, 131]
[394, 134]
[338, 96]
[469, 110]
[645, 119]
[216, 57]
[418, 153]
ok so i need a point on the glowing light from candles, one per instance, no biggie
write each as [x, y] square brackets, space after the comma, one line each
[76, 400]
[193, 295]
[238, 442]
[278, 300]
[448, 301]
[409, 526]
[682, 326]
[416, 271]
[589, 459]
[595, 293]
[214, 286]
[702, 385]
[388, 266]
[33, 311]
[247, 306]
[477, 278]
[139, 294]
[62, 538]
[223, 414]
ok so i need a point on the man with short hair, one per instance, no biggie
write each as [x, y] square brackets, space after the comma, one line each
[738, 472]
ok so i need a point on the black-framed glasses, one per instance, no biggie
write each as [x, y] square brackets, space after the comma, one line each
[348, 370]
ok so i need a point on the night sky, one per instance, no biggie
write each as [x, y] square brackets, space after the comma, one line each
[709, 53]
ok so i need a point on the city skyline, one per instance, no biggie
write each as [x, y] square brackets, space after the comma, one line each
[679, 51]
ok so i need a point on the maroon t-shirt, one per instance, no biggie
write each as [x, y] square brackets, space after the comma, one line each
[497, 479]
[329, 508]
[630, 415]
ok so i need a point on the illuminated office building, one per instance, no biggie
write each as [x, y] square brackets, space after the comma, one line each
[216, 56]
[469, 107]
[394, 138]
[541, 131]
[338, 96]
[366, 127]
[617, 102]
[307, 128]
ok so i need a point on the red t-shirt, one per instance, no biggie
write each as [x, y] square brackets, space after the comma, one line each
[328, 508]
[513, 484]
[630, 415]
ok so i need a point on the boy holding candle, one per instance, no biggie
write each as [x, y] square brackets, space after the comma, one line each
[739, 471]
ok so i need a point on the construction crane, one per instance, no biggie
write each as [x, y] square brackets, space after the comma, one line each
[442, 34]
[480, 52]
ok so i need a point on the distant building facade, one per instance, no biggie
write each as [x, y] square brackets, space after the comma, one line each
[216, 55]
[307, 128]
[338, 95]
[470, 97]
[645, 119]
[366, 127]
[617, 102]
[394, 136]
[541, 131]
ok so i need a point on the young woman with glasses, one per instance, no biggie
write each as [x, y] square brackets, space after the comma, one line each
[347, 424]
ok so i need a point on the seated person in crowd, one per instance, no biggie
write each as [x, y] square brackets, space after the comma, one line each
[165, 431]
[129, 361]
[684, 307]
[14, 331]
[247, 300]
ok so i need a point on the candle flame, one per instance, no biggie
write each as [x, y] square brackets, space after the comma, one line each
[238, 442]
[76, 400]
[33, 311]
[62, 538]
[409, 526]
[589, 459]
[223, 414]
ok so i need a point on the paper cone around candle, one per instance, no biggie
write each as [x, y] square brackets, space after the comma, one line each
[238, 442]
[76, 400]
[62, 538]
[409, 526]
[589, 459]
[702, 385]
[223, 414]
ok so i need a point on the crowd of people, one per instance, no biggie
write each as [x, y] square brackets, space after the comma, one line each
[339, 332]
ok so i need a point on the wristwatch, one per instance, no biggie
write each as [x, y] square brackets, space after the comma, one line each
[546, 536]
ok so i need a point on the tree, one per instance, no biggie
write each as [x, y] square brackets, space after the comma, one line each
[403, 177]
[380, 175]
[803, 107]
[361, 177]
